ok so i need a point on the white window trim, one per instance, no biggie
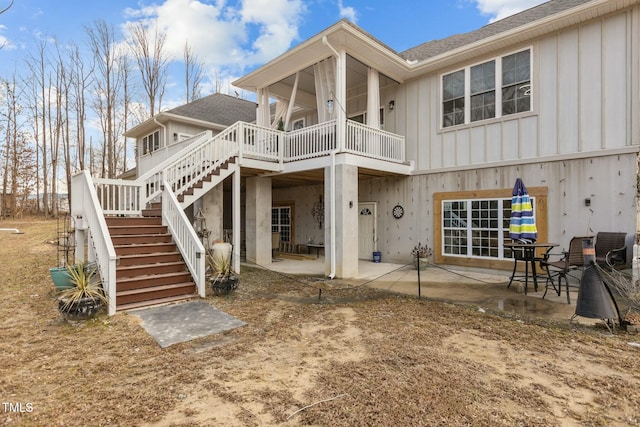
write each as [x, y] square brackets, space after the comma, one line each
[498, 89]
[502, 231]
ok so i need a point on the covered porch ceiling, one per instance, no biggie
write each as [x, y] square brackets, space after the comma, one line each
[306, 91]
[359, 46]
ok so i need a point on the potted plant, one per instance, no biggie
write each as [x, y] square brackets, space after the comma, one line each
[421, 254]
[84, 299]
[220, 275]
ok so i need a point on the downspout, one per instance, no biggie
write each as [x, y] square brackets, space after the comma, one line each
[166, 141]
[332, 174]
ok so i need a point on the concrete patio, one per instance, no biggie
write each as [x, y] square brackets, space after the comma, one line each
[487, 289]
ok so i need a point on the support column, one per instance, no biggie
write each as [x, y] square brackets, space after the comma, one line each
[258, 221]
[345, 200]
[235, 200]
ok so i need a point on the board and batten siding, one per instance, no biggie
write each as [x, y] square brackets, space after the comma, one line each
[568, 183]
[585, 102]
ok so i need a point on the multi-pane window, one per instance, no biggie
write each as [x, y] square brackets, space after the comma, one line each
[483, 91]
[476, 228]
[281, 222]
[151, 142]
[453, 99]
[516, 83]
[491, 89]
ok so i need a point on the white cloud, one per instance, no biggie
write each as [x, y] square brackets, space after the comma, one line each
[228, 38]
[499, 9]
[347, 12]
[5, 43]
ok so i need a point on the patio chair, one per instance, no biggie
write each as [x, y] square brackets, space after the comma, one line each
[611, 251]
[558, 266]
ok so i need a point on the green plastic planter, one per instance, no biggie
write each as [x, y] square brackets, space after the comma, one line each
[61, 278]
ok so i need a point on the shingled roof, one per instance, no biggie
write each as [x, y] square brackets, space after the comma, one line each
[437, 47]
[218, 108]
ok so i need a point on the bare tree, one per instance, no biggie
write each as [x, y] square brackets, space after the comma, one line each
[152, 62]
[125, 72]
[38, 66]
[194, 74]
[17, 153]
[102, 40]
[80, 81]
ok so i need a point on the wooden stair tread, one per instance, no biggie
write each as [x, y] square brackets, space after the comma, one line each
[149, 276]
[159, 301]
[148, 254]
[156, 288]
[146, 265]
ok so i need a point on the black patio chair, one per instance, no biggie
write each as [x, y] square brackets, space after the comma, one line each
[558, 266]
[611, 251]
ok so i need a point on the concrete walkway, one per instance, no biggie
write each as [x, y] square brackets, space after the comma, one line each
[186, 321]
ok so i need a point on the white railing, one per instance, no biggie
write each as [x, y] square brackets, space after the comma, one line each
[198, 163]
[257, 142]
[184, 236]
[118, 196]
[85, 205]
[149, 161]
[313, 141]
[374, 143]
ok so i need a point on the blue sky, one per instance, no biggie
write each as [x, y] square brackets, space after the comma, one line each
[233, 37]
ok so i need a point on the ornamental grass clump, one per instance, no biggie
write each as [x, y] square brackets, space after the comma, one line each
[85, 286]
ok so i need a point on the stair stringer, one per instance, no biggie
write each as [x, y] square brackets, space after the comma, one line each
[189, 199]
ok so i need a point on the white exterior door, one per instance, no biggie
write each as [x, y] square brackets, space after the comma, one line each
[366, 230]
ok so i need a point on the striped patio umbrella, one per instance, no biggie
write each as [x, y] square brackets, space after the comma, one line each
[522, 225]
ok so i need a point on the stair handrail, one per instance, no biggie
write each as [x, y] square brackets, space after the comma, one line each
[198, 163]
[188, 166]
[88, 213]
[184, 235]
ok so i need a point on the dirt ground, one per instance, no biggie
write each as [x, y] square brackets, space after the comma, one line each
[360, 357]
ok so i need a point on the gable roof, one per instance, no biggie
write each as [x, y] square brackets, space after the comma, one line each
[216, 111]
[218, 108]
[437, 47]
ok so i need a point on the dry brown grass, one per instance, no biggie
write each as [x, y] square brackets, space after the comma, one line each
[361, 357]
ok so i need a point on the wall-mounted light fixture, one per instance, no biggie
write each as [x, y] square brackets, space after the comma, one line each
[175, 137]
[392, 105]
[330, 106]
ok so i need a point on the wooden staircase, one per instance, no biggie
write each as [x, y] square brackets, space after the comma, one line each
[150, 270]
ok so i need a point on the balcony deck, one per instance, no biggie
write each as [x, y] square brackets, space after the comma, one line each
[309, 148]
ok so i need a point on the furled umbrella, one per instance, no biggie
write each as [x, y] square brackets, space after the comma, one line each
[522, 225]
